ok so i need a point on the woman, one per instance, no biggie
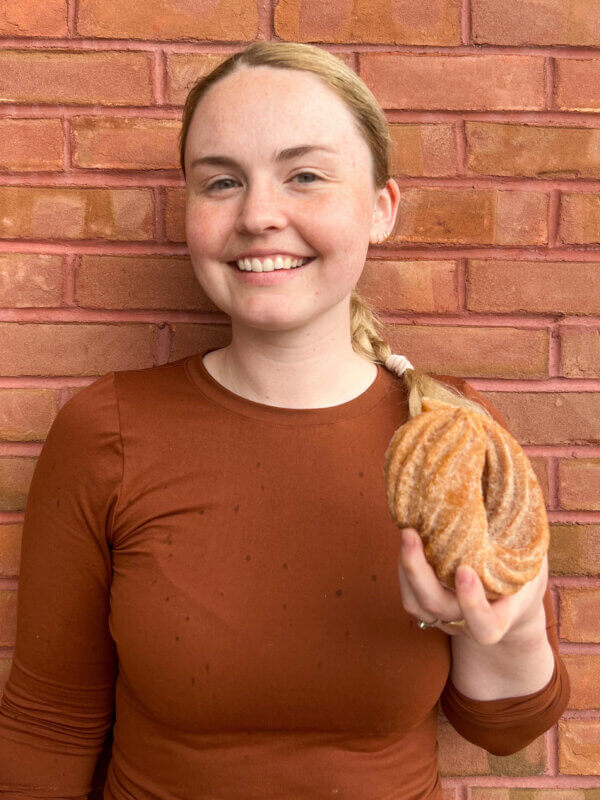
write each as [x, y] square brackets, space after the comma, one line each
[208, 542]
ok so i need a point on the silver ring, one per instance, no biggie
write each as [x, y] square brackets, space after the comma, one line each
[423, 625]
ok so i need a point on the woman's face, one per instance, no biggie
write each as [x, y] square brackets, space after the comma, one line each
[317, 204]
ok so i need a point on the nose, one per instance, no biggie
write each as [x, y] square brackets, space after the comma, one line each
[261, 208]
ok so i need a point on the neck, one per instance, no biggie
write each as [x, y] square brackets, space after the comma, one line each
[296, 376]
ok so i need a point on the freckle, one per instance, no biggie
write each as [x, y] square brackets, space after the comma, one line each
[339, 593]
[207, 667]
[177, 638]
[237, 508]
[361, 474]
[193, 681]
[248, 558]
[284, 605]
[284, 565]
[373, 577]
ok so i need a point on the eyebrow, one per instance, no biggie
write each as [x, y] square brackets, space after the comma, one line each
[282, 155]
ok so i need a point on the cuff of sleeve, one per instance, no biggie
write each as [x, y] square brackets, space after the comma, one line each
[508, 724]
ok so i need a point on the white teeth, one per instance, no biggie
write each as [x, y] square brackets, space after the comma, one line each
[270, 264]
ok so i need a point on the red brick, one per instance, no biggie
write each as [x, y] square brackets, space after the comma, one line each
[574, 550]
[584, 675]
[579, 482]
[579, 746]
[516, 22]
[184, 69]
[76, 213]
[26, 414]
[74, 348]
[188, 339]
[471, 216]
[539, 466]
[578, 84]
[579, 218]
[477, 82]
[457, 756]
[412, 286]
[436, 22]
[30, 279]
[464, 350]
[125, 143]
[580, 347]
[531, 760]
[579, 613]
[418, 149]
[32, 18]
[175, 214]
[168, 19]
[89, 78]
[10, 550]
[449, 792]
[551, 417]
[537, 151]
[140, 282]
[31, 144]
[15, 478]
[8, 617]
[545, 287]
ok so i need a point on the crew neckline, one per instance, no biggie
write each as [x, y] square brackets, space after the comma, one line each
[221, 396]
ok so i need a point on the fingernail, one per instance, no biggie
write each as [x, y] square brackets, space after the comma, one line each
[464, 577]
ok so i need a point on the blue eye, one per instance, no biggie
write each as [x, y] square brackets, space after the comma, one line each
[230, 180]
[308, 173]
[223, 180]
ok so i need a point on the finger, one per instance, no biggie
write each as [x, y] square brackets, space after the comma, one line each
[429, 593]
[487, 624]
[409, 600]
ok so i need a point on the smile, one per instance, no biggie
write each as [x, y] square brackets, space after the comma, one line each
[269, 264]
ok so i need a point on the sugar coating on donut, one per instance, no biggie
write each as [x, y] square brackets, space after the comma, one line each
[465, 484]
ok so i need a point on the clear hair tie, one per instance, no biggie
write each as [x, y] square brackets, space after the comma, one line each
[398, 364]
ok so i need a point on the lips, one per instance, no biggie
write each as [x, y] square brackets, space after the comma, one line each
[269, 271]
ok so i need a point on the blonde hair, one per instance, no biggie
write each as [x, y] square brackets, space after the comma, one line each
[366, 327]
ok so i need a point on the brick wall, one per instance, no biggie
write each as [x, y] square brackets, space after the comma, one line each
[492, 272]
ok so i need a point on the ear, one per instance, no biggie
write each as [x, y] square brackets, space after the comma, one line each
[387, 201]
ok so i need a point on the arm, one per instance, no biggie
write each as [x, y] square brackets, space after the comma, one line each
[57, 707]
[503, 696]
[518, 664]
[508, 719]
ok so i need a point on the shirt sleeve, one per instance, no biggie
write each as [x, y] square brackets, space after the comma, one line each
[57, 707]
[507, 725]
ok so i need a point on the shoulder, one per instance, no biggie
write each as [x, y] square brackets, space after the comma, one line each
[469, 391]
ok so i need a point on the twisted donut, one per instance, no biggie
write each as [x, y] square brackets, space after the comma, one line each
[464, 483]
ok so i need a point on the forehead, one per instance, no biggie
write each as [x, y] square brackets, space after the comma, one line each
[272, 107]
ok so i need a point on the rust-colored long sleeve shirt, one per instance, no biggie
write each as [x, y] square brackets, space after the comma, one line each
[226, 573]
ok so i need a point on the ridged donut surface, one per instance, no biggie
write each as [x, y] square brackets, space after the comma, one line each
[464, 483]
